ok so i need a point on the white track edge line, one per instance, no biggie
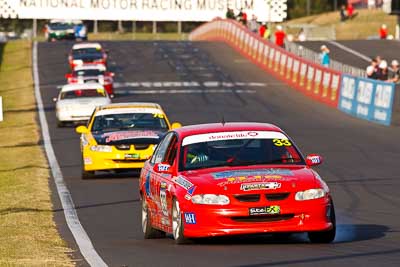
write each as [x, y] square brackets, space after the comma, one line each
[82, 239]
[351, 51]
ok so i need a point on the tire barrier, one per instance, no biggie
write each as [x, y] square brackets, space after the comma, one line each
[363, 98]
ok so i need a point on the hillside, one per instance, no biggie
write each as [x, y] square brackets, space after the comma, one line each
[365, 25]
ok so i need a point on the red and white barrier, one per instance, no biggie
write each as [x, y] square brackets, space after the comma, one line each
[318, 82]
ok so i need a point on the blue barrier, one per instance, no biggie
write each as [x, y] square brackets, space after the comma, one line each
[367, 99]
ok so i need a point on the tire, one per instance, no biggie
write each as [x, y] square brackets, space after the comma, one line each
[87, 174]
[325, 236]
[60, 124]
[177, 224]
[148, 231]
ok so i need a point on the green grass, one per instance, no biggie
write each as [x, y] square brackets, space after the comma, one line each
[366, 24]
[28, 235]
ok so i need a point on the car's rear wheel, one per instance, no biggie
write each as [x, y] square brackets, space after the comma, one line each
[325, 236]
[177, 224]
[148, 231]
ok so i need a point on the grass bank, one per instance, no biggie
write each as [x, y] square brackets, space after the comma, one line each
[366, 24]
[28, 235]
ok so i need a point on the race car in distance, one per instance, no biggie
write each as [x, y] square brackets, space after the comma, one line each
[92, 73]
[59, 30]
[232, 179]
[87, 53]
[76, 102]
[121, 136]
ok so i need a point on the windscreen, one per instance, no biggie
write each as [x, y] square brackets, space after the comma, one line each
[129, 121]
[83, 93]
[238, 149]
[87, 52]
[89, 72]
[59, 26]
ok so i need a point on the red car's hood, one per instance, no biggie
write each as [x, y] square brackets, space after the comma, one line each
[251, 179]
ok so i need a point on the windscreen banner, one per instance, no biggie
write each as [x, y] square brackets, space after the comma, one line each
[142, 10]
[367, 99]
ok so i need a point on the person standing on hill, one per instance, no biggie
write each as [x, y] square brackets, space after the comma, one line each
[262, 29]
[325, 59]
[280, 36]
[253, 24]
[383, 32]
[230, 14]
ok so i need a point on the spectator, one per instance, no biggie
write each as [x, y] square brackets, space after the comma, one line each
[350, 10]
[343, 14]
[253, 24]
[267, 33]
[230, 14]
[383, 32]
[280, 36]
[383, 71]
[371, 4]
[262, 29]
[242, 17]
[372, 69]
[301, 36]
[395, 75]
[325, 59]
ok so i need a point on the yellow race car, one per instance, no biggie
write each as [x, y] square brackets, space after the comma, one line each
[121, 136]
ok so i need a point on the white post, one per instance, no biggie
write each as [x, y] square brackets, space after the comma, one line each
[1, 108]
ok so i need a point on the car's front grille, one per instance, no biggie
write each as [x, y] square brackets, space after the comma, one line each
[248, 197]
[123, 147]
[141, 146]
[277, 196]
[263, 218]
[128, 160]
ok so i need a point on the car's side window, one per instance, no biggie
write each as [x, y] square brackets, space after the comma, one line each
[159, 154]
[170, 154]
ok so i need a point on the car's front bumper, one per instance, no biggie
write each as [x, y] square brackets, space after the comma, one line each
[305, 216]
[97, 161]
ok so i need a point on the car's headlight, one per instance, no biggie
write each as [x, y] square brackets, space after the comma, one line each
[101, 148]
[210, 199]
[310, 194]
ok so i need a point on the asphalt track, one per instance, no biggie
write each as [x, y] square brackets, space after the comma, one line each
[387, 49]
[361, 165]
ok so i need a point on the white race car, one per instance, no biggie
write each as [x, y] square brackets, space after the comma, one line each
[76, 102]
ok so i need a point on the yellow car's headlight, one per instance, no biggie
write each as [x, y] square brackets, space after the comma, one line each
[101, 148]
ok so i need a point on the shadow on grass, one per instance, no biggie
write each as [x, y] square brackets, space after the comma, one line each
[1, 53]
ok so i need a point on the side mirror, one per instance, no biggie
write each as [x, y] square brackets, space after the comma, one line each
[176, 125]
[162, 168]
[81, 129]
[313, 160]
[111, 74]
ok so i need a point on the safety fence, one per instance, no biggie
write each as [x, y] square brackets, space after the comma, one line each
[323, 84]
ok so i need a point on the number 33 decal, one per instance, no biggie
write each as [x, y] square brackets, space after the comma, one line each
[281, 142]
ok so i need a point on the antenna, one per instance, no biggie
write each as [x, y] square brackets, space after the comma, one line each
[223, 120]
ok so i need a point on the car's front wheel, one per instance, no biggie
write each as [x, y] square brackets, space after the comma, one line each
[325, 236]
[86, 174]
[177, 224]
[148, 231]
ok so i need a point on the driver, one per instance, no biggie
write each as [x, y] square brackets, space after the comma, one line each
[197, 153]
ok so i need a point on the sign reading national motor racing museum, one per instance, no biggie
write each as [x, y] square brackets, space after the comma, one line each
[141, 10]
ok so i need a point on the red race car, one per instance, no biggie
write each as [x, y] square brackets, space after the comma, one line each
[87, 53]
[234, 178]
[92, 73]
